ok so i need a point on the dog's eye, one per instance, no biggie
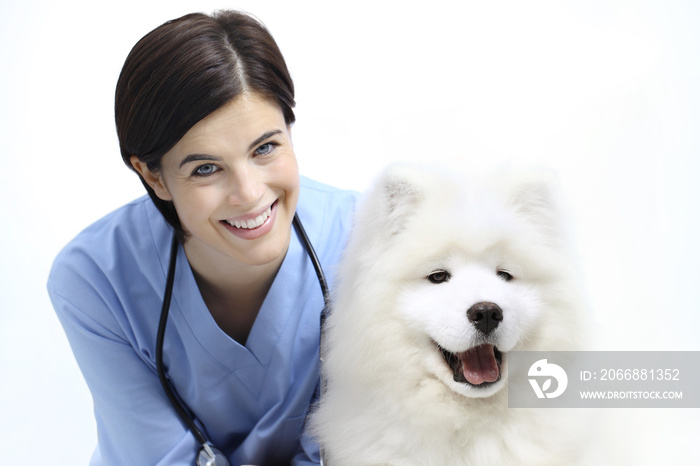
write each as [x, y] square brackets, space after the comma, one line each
[439, 276]
[505, 275]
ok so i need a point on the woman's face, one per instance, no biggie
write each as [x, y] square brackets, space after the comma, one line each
[234, 181]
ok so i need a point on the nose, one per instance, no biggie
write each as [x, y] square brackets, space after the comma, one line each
[485, 316]
[246, 187]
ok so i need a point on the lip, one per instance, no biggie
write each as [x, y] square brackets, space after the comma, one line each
[252, 233]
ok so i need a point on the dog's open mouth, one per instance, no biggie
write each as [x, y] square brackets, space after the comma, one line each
[479, 366]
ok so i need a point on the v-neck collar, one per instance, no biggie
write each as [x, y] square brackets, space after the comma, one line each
[281, 302]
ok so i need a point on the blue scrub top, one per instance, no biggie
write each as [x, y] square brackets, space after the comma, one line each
[107, 288]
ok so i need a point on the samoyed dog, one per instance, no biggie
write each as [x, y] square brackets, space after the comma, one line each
[442, 278]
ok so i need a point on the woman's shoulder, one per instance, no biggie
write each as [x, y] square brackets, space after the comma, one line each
[327, 213]
[325, 199]
[130, 236]
[311, 185]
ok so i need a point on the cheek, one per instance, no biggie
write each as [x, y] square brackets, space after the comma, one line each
[521, 310]
[437, 310]
[287, 173]
[194, 206]
[286, 176]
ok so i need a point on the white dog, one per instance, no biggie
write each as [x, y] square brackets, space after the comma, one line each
[442, 278]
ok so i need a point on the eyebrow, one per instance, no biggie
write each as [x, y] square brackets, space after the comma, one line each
[267, 135]
[212, 158]
[199, 157]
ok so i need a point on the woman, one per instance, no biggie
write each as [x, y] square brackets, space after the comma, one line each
[203, 111]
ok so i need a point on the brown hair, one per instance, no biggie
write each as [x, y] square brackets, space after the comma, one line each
[186, 69]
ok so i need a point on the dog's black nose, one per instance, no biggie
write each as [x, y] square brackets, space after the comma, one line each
[485, 316]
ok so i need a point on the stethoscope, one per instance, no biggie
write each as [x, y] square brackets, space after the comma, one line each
[209, 455]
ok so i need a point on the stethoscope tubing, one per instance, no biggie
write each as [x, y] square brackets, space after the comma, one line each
[316, 263]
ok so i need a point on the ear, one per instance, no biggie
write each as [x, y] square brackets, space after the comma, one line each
[536, 196]
[153, 179]
[399, 191]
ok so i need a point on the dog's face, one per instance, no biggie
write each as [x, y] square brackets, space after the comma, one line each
[454, 274]
[472, 312]
[475, 265]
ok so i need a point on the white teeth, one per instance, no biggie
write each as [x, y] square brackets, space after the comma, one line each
[252, 223]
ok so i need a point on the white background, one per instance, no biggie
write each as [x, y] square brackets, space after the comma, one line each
[605, 92]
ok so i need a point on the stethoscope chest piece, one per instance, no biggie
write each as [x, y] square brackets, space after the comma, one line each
[211, 456]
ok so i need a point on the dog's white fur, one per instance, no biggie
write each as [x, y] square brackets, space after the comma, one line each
[390, 397]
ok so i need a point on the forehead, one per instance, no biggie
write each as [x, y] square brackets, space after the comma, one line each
[234, 125]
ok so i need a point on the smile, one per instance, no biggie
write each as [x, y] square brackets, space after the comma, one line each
[251, 223]
[252, 226]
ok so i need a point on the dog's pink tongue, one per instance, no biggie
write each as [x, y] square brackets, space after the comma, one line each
[479, 365]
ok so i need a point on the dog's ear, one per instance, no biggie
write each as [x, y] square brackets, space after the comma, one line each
[399, 190]
[402, 194]
[536, 196]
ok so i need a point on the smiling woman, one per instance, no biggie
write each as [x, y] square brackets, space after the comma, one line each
[204, 113]
[231, 167]
[184, 71]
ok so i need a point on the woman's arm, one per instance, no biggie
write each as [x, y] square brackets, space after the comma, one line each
[135, 422]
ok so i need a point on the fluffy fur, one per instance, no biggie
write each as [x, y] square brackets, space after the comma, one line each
[426, 247]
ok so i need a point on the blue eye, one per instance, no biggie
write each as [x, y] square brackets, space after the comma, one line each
[205, 170]
[265, 148]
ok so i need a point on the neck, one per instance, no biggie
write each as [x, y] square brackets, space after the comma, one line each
[236, 280]
[233, 291]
